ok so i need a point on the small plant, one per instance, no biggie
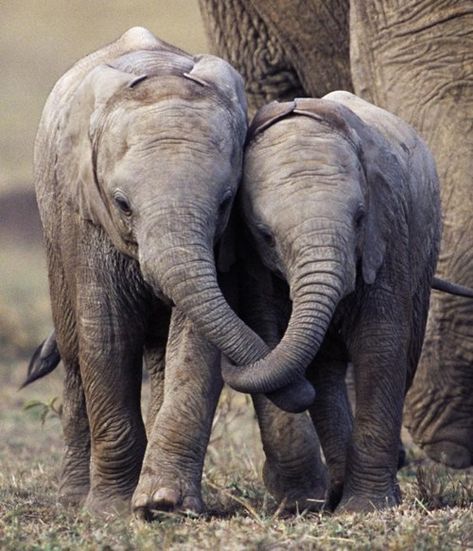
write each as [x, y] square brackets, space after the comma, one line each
[45, 410]
[437, 488]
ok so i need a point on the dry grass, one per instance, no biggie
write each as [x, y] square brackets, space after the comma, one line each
[437, 512]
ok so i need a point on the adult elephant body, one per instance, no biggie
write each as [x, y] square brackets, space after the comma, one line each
[343, 204]
[415, 60]
[137, 160]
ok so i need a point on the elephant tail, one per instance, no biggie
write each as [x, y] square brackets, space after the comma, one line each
[44, 360]
[451, 288]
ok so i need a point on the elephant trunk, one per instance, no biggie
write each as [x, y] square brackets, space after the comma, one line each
[316, 291]
[180, 264]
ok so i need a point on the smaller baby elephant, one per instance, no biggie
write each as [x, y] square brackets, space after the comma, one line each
[342, 201]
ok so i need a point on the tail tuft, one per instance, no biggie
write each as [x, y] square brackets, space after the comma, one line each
[44, 360]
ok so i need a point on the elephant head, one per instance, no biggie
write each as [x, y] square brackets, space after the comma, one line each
[317, 193]
[152, 147]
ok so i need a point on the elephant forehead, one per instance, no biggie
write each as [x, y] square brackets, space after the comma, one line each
[174, 124]
[297, 148]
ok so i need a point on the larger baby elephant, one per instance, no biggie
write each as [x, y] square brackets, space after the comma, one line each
[137, 160]
[342, 200]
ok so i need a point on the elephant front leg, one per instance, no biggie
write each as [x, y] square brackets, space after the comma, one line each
[293, 469]
[379, 356]
[110, 351]
[172, 468]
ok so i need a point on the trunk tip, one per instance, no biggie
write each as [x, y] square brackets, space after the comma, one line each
[294, 398]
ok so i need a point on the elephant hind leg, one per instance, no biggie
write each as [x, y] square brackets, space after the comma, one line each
[333, 420]
[154, 355]
[75, 471]
[74, 483]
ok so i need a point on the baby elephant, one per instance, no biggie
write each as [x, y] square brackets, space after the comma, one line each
[342, 200]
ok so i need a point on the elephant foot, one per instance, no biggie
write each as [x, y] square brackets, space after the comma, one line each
[73, 496]
[305, 491]
[335, 493]
[155, 494]
[368, 504]
[105, 505]
[450, 453]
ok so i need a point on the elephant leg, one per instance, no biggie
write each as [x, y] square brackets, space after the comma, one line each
[111, 332]
[154, 361]
[333, 419]
[172, 468]
[293, 469]
[380, 357]
[74, 480]
[74, 483]
[282, 49]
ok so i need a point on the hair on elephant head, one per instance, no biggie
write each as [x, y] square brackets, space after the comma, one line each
[329, 186]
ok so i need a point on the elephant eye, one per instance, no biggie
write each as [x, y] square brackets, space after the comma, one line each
[360, 216]
[122, 202]
[266, 236]
[226, 202]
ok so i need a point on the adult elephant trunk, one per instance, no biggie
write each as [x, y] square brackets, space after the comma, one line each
[180, 264]
[316, 288]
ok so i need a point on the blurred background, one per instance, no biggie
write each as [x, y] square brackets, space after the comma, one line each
[39, 41]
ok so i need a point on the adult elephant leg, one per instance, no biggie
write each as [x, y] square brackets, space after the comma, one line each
[379, 353]
[417, 61]
[283, 48]
[74, 481]
[172, 468]
[332, 417]
[111, 331]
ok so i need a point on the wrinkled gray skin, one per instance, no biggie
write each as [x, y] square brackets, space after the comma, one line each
[414, 59]
[343, 204]
[137, 160]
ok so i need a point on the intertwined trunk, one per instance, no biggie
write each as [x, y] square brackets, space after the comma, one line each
[180, 263]
[316, 287]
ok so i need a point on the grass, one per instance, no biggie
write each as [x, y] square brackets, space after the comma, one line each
[437, 510]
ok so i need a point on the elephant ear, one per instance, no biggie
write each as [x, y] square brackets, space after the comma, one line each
[226, 247]
[386, 177]
[268, 115]
[76, 149]
[215, 72]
